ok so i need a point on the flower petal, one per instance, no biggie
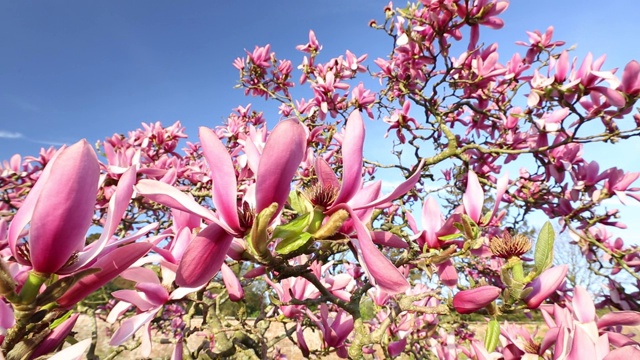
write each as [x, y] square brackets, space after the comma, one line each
[473, 197]
[223, 175]
[325, 174]
[110, 265]
[204, 256]
[169, 196]
[402, 189]
[583, 306]
[545, 284]
[74, 352]
[63, 212]
[130, 326]
[352, 147]
[468, 301]
[378, 267]
[280, 159]
[231, 283]
[118, 204]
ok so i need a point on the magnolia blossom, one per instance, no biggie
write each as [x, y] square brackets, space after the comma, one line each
[468, 301]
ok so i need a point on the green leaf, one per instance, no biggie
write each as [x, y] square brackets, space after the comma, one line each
[299, 203]
[493, 335]
[316, 222]
[543, 257]
[292, 244]
[259, 238]
[60, 320]
[450, 237]
[293, 228]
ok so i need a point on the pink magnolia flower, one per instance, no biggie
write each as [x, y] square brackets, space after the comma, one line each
[350, 195]
[545, 285]
[59, 210]
[312, 47]
[468, 301]
[335, 330]
[148, 297]
[630, 84]
[278, 164]
[483, 12]
[579, 334]
[539, 42]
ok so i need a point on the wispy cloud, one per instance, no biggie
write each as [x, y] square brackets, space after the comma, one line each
[10, 135]
[4, 134]
[46, 142]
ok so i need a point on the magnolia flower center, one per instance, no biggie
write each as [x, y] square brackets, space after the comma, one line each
[531, 347]
[507, 246]
[246, 215]
[321, 196]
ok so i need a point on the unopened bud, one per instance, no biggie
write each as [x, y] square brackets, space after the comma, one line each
[332, 225]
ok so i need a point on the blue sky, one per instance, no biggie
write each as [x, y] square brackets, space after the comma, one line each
[91, 69]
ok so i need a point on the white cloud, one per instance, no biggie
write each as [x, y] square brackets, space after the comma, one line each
[10, 135]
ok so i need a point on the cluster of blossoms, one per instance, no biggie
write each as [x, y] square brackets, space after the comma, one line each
[295, 211]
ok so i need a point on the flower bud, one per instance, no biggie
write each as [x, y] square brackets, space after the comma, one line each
[545, 285]
[468, 301]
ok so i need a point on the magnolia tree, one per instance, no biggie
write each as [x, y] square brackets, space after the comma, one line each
[294, 211]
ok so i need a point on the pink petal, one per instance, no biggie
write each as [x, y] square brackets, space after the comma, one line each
[396, 348]
[130, 326]
[379, 268]
[386, 238]
[56, 337]
[583, 306]
[501, 188]
[402, 189]
[171, 197]
[582, 346]
[448, 273]
[110, 265]
[204, 257]
[616, 318]
[223, 175]
[631, 77]
[614, 97]
[6, 315]
[118, 204]
[155, 293]
[352, 146]
[25, 213]
[623, 353]
[133, 297]
[432, 221]
[545, 285]
[280, 159]
[231, 282]
[64, 209]
[473, 198]
[74, 352]
[325, 174]
[468, 301]
[140, 274]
